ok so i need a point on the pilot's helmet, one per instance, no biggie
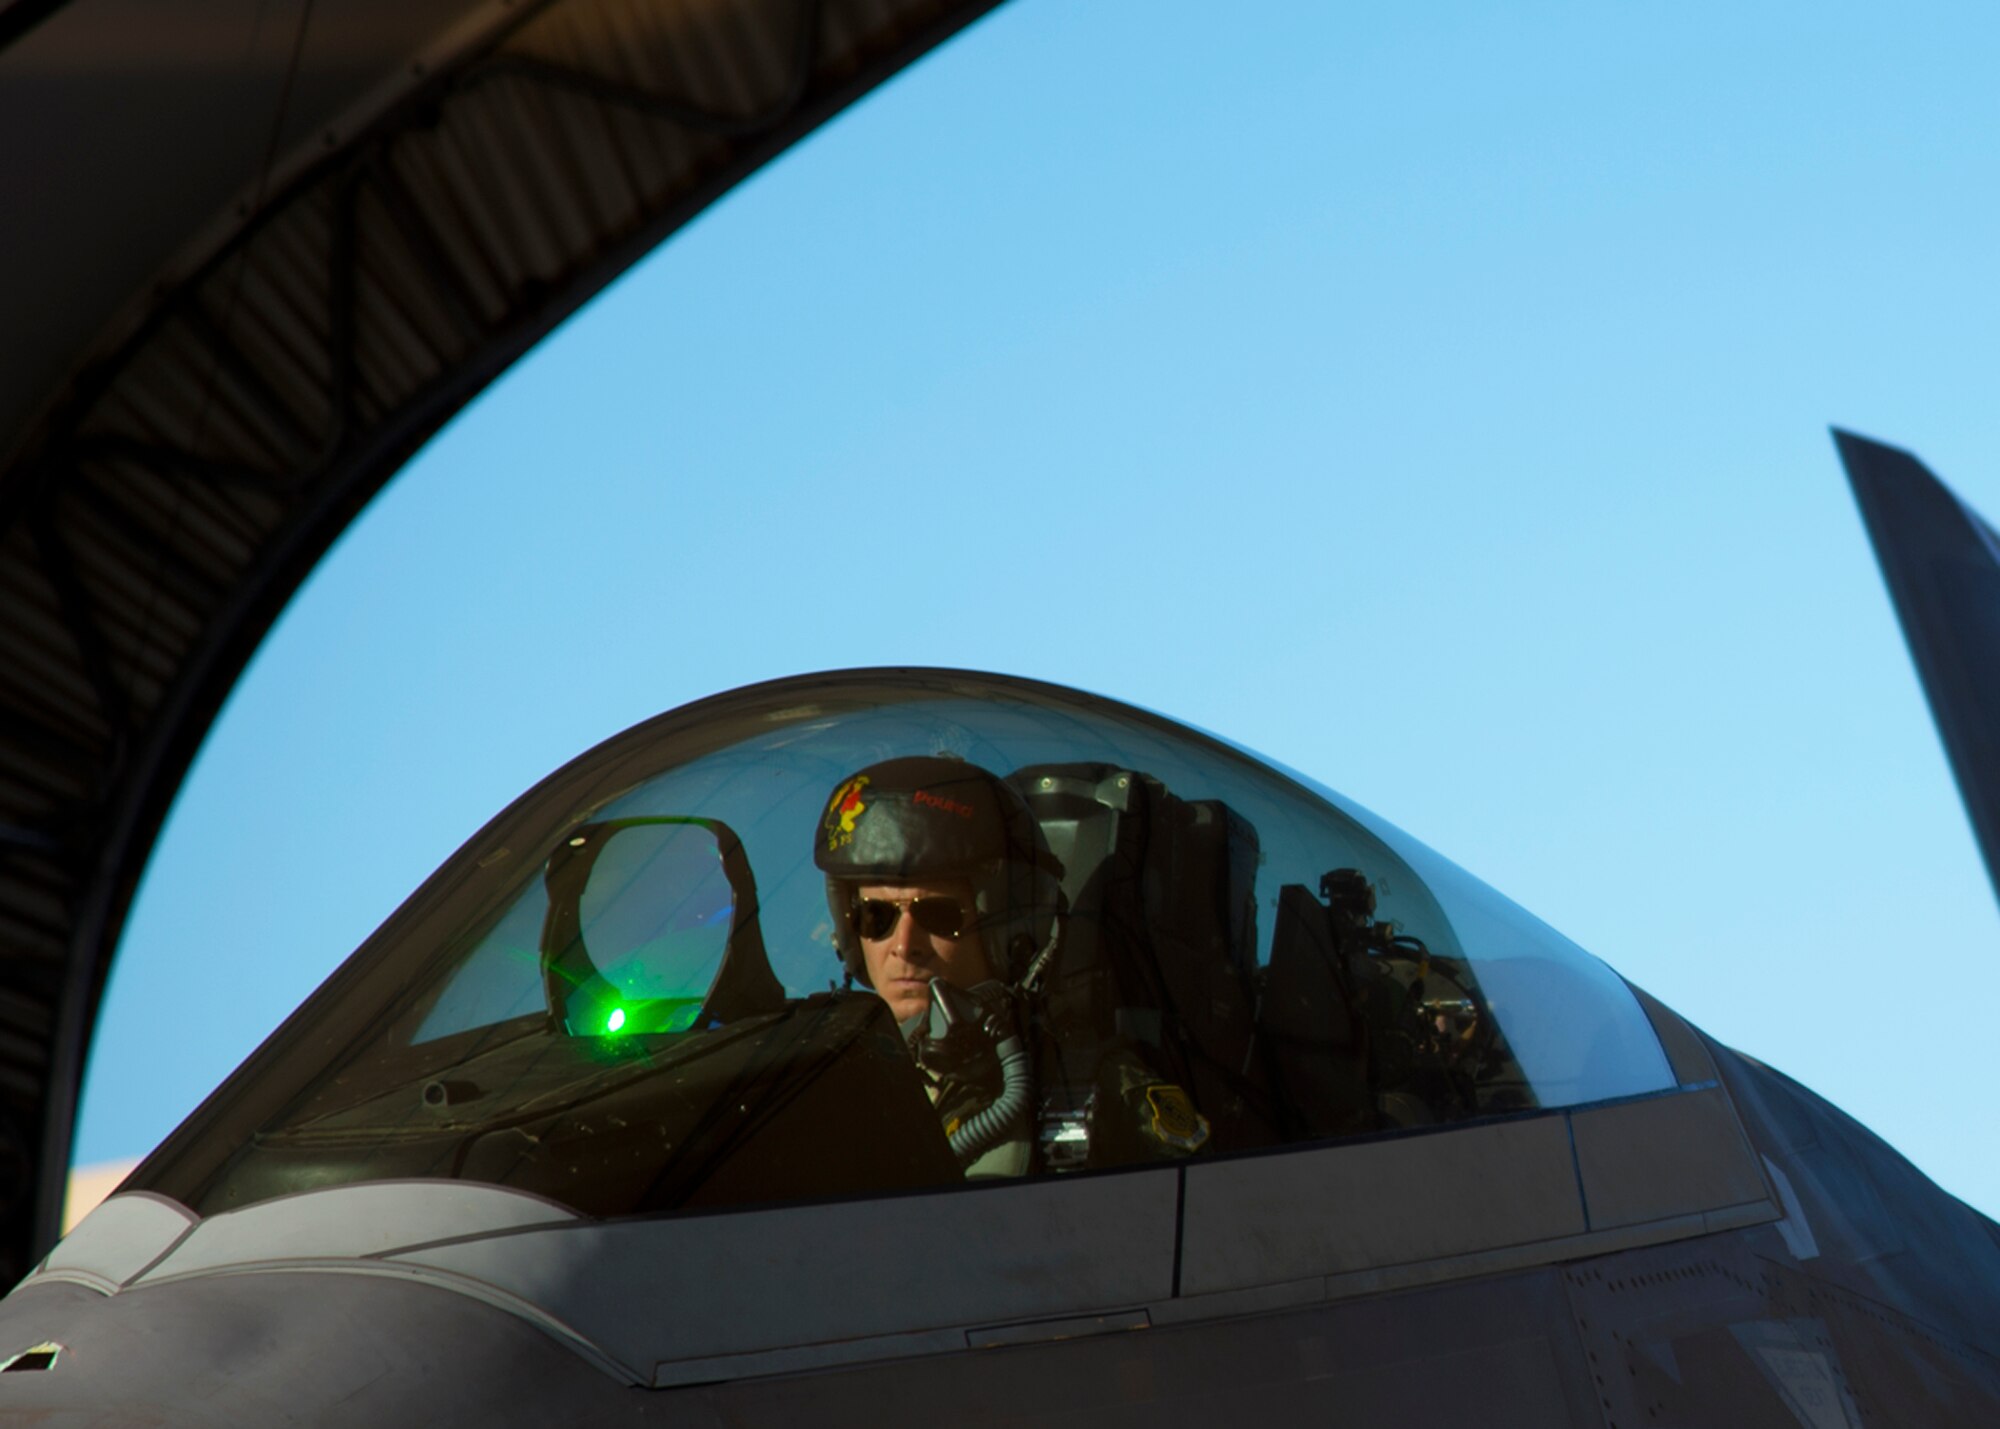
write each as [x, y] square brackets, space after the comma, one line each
[925, 818]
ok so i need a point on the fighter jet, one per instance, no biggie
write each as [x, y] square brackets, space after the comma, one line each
[883, 1046]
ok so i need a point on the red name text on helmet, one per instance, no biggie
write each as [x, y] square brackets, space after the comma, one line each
[938, 801]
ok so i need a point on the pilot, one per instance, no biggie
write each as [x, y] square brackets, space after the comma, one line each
[946, 901]
[936, 873]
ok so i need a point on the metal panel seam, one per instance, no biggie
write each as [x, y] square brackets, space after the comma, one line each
[1180, 1223]
[1576, 1170]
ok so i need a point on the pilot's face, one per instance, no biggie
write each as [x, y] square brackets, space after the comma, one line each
[904, 946]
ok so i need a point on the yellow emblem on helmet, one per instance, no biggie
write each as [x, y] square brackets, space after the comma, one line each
[1175, 1121]
[841, 811]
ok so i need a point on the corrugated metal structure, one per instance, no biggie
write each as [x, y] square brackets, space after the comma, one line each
[254, 255]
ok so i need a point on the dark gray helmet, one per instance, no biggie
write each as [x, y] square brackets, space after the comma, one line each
[923, 818]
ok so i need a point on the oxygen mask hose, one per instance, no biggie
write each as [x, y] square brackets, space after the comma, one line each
[980, 1133]
[962, 1027]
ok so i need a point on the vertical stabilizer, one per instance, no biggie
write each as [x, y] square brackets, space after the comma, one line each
[1942, 563]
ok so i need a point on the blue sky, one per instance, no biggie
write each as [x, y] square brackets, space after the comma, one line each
[1433, 398]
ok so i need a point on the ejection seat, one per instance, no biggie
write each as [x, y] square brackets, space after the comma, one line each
[1159, 953]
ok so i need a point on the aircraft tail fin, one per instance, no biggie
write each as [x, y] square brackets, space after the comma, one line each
[1941, 561]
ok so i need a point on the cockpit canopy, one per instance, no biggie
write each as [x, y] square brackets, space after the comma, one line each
[625, 995]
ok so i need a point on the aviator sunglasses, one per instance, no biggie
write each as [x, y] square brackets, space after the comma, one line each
[876, 918]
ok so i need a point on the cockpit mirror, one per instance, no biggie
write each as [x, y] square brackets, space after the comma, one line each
[642, 915]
